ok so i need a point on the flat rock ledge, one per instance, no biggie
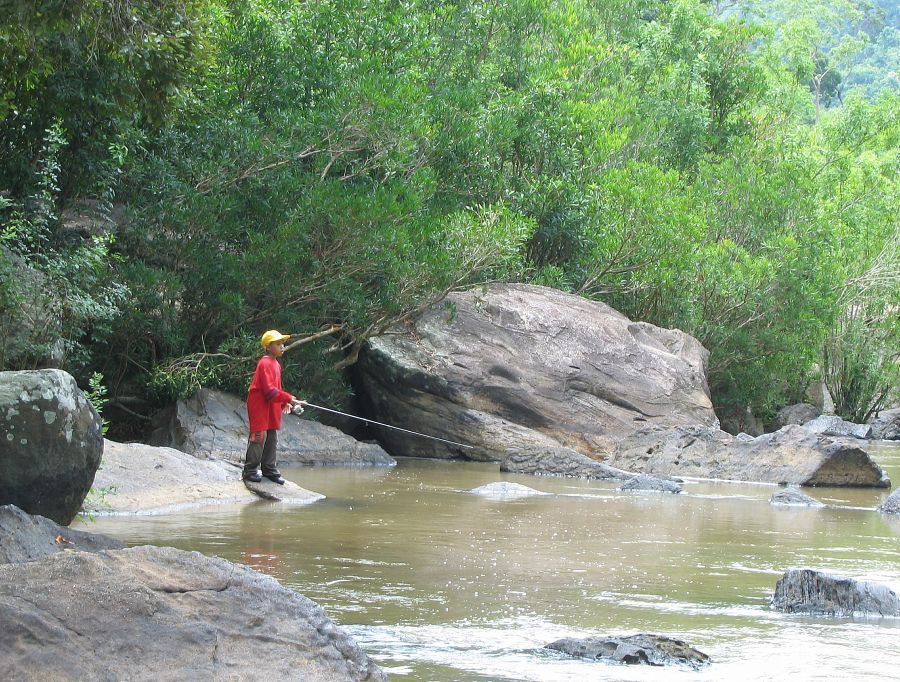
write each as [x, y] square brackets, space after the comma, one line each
[892, 504]
[142, 479]
[808, 591]
[159, 613]
[27, 537]
[559, 461]
[791, 497]
[651, 484]
[645, 649]
[791, 455]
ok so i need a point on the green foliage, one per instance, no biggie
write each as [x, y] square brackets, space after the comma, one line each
[96, 395]
[54, 282]
[339, 166]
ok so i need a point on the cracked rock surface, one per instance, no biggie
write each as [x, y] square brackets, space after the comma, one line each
[159, 613]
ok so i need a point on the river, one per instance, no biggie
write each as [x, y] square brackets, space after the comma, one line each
[439, 584]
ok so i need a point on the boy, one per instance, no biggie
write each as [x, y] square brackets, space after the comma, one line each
[266, 402]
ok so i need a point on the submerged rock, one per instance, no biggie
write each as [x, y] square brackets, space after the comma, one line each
[213, 424]
[651, 483]
[508, 365]
[892, 504]
[27, 537]
[793, 498]
[504, 490]
[558, 461]
[647, 649]
[805, 590]
[161, 613]
[50, 443]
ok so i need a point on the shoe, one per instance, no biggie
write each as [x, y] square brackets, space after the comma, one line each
[275, 478]
[253, 478]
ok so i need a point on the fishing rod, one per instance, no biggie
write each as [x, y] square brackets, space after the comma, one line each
[387, 426]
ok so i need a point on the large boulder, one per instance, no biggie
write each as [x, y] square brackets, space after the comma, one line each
[805, 590]
[27, 537]
[886, 424]
[831, 425]
[510, 365]
[51, 443]
[646, 649]
[795, 414]
[791, 455]
[152, 613]
[214, 424]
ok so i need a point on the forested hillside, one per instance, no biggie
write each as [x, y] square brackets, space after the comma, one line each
[178, 177]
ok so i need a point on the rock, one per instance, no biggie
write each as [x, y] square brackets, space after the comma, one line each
[27, 537]
[817, 393]
[558, 461]
[162, 613]
[651, 483]
[795, 414]
[51, 443]
[886, 424]
[791, 455]
[214, 424]
[805, 590]
[647, 649]
[288, 492]
[142, 479]
[892, 504]
[831, 425]
[504, 490]
[742, 421]
[509, 365]
[793, 498]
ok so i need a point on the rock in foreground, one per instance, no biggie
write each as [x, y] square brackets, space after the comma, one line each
[27, 537]
[51, 443]
[151, 613]
[510, 364]
[647, 649]
[213, 424]
[804, 590]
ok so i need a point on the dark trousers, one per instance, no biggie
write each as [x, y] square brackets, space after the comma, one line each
[261, 451]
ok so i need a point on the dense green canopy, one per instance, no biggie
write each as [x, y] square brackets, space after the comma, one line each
[338, 164]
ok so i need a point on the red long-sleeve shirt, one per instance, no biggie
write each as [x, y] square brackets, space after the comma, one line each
[266, 397]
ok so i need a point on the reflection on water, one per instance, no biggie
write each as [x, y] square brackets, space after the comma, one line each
[437, 583]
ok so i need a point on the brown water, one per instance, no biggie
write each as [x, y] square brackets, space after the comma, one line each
[439, 584]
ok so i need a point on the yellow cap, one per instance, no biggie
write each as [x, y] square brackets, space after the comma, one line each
[273, 336]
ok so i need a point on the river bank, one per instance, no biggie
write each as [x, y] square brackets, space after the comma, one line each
[438, 583]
